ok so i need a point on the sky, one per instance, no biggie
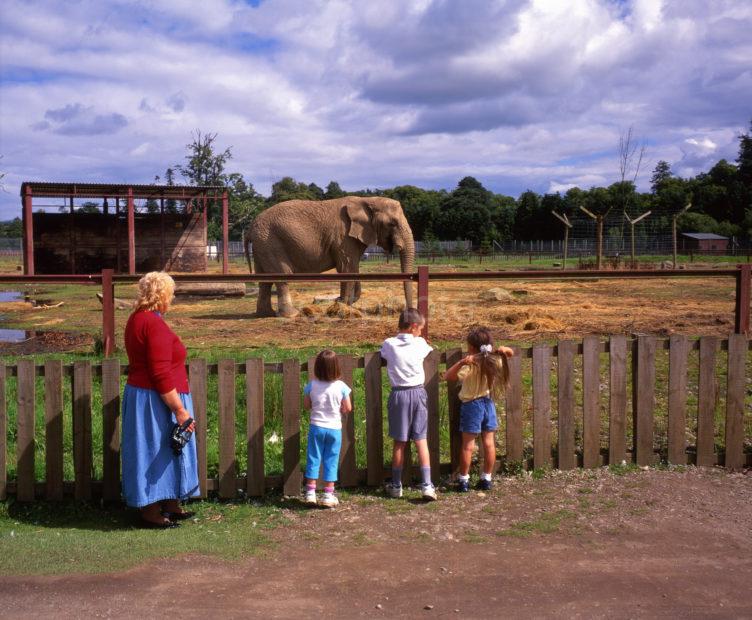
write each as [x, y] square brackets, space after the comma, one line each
[521, 94]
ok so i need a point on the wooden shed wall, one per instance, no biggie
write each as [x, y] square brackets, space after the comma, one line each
[90, 242]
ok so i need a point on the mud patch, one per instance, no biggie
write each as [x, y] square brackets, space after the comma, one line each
[46, 342]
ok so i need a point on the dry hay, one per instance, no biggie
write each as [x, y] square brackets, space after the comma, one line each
[343, 311]
[389, 307]
[529, 320]
[313, 310]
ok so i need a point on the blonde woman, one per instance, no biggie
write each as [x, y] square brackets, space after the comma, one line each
[156, 396]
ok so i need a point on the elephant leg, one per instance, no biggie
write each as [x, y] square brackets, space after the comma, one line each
[357, 290]
[264, 301]
[284, 301]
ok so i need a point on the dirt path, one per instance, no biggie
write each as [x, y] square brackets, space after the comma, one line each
[583, 544]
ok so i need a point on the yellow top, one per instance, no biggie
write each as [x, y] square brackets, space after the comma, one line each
[474, 384]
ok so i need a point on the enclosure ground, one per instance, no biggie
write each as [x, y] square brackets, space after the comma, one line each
[612, 543]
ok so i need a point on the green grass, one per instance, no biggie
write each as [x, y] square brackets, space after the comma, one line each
[546, 523]
[44, 538]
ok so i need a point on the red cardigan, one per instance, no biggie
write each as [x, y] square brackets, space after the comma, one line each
[156, 357]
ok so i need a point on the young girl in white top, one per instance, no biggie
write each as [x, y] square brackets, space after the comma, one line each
[327, 397]
[484, 374]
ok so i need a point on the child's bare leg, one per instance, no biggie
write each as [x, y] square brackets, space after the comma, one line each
[424, 458]
[398, 460]
[466, 455]
[489, 451]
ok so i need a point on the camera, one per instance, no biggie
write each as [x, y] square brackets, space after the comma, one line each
[180, 436]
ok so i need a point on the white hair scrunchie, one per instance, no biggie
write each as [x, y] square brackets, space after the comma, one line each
[486, 348]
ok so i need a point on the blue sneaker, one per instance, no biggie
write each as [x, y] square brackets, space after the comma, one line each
[485, 485]
[463, 486]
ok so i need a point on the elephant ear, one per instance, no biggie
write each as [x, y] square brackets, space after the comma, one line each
[360, 223]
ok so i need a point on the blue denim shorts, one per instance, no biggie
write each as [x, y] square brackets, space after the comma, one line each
[478, 415]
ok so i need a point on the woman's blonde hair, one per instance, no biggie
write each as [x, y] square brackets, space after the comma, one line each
[155, 291]
[493, 366]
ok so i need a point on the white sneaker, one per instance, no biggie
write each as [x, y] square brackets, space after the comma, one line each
[393, 490]
[310, 497]
[428, 492]
[329, 500]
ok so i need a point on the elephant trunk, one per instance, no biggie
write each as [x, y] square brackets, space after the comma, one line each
[407, 262]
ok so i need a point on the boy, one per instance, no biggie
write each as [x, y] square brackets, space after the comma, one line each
[407, 410]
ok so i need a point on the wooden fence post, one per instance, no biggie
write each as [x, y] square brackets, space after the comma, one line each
[735, 392]
[53, 424]
[423, 296]
[453, 406]
[541, 406]
[291, 427]
[108, 312]
[254, 381]
[707, 398]
[25, 446]
[617, 404]
[348, 473]
[3, 437]
[741, 314]
[111, 430]
[431, 368]
[82, 457]
[374, 419]
[566, 351]
[677, 400]
[197, 381]
[226, 419]
[591, 407]
[514, 408]
[643, 398]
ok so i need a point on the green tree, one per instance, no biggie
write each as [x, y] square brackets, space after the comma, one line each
[333, 190]
[421, 208]
[288, 188]
[528, 207]
[661, 174]
[503, 213]
[466, 213]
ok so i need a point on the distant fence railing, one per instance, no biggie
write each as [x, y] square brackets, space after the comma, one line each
[566, 436]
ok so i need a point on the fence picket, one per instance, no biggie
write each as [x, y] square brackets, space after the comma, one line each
[677, 400]
[254, 382]
[197, 381]
[565, 387]
[25, 431]
[431, 368]
[514, 408]
[291, 427]
[111, 430]
[53, 433]
[541, 406]
[226, 421]
[617, 406]
[348, 472]
[735, 391]
[707, 398]
[643, 398]
[453, 405]
[591, 407]
[82, 456]
[374, 419]
[3, 438]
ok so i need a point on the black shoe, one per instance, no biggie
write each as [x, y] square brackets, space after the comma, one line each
[154, 525]
[179, 516]
[484, 485]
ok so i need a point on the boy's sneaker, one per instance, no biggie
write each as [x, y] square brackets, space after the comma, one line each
[428, 492]
[463, 486]
[393, 490]
[485, 485]
[329, 500]
[310, 497]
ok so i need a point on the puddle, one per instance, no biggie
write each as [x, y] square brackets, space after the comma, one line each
[13, 335]
[11, 296]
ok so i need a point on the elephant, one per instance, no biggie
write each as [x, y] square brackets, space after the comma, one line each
[308, 236]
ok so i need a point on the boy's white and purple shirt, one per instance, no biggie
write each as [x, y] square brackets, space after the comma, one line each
[404, 355]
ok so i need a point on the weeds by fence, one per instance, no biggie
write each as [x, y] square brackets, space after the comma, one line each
[570, 404]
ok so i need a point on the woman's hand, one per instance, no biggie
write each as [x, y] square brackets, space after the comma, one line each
[182, 415]
[468, 360]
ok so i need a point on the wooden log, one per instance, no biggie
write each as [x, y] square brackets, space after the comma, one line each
[53, 427]
[591, 407]
[735, 392]
[374, 419]
[210, 289]
[453, 404]
[111, 430]
[254, 382]
[643, 398]
[25, 431]
[566, 352]
[197, 379]
[291, 476]
[348, 474]
[431, 369]
[677, 400]
[226, 419]
[3, 437]
[617, 414]
[707, 398]
[514, 408]
[82, 448]
[541, 406]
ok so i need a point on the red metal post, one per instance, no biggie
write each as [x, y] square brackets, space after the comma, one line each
[28, 222]
[423, 296]
[225, 232]
[131, 234]
[741, 314]
[108, 312]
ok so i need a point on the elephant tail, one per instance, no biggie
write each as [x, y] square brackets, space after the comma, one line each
[247, 248]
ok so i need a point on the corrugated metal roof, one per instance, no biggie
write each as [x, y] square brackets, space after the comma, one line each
[48, 189]
[703, 236]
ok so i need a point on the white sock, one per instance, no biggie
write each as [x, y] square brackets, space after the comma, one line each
[485, 476]
[464, 477]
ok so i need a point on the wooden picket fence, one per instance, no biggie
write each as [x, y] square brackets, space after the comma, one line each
[564, 455]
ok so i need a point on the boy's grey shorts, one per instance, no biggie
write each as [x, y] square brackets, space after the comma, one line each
[408, 413]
